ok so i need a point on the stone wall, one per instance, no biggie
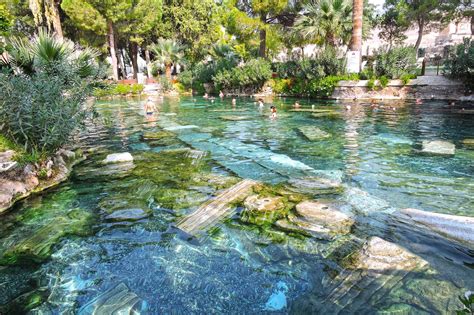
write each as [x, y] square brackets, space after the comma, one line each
[423, 87]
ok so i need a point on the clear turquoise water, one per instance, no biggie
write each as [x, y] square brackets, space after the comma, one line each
[241, 269]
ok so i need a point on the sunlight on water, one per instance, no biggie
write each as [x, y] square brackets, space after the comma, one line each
[107, 237]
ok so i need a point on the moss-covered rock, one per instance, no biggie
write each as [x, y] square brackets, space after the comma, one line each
[159, 135]
[261, 210]
[38, 246]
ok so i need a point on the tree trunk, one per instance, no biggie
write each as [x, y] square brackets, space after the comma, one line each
[134, 57]
[122, 64]
[56, 20]
[148, 63]
[357, 14]
[262, 52]
[421, 25]
[113, 52]
[168, 71]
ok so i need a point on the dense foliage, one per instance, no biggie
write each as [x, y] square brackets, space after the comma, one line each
[43, 92]
[460, 61]
[251, 76]
[118, 89]
[395, 62]
[323, 64]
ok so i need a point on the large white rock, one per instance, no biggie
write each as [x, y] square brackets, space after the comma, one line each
[118, 158]
[326, 215]
[457, 227]
[438, 147]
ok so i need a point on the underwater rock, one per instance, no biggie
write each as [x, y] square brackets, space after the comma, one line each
[468, 143]
[300, 226]
[38, 246]
[325, 214]
[157, 135]
[127, 215]
[438, 147]
[234, 118]
[118, 158]
[363, 202]
[460, 228]
[314, 133]
[117, 300]
[221, 206]
[377, 267]
[315, 185]
[262, 210]
[329, 115]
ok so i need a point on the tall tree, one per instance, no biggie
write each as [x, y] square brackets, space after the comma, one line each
[46, 12]
[100, 17]
[393, 23]
[267, 12]
[357, 17]
[141, 19]
[167, 52]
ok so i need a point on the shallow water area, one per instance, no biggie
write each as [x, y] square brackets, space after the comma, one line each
[110, 233]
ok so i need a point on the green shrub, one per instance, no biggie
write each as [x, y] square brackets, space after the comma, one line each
[371, 84]
[395, 62]
[383, 81]
[407, 77]
[252, 75]
[186, 79]
[122, 89]
[323, 64]
[166, 84]
[280, 86]
[323, 88]
[460, 61]
[137, 88]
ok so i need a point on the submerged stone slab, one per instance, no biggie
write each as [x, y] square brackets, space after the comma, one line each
[118, 158]
[314, 133]
[127, 215]
[300, 226]
[438, 147]
[460, 228]
[214, 210]
[117, 300]
[329, 114]
[377, 267]
[234, 118]
[315, 185]
[468, 143]
[157, 135]
[325, 214]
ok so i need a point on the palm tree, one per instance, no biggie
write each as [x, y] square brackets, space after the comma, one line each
[44, 52]
[357, 17]
[325, 22]
[167, 52]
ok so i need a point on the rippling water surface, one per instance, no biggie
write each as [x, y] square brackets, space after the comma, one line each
[241, 268]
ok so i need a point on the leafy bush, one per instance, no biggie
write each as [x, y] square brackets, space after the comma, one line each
[186, 78]
[371, 84]
[323, 64]
[252, 75]
[137, 88]
[407, 77]
[280, 86]
[42, 97]
[395, 62]
[324, 87]
[383, 81]
[460, 61]
[166, 85]
[118, 89]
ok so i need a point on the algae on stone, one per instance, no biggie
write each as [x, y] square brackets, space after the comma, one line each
[314, 133]
[38, 246]
[261, 210]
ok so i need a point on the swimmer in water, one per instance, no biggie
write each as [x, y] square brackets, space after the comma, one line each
[234, 101]
[206, 95]
[260, 103]
[221, 95]
[274, 112]
[297, 105]
[149, 107]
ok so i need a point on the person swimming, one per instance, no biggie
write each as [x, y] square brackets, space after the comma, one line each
[234, 101]
[149, 106]
[221, 95]
[297, 105]
[260, 103]
[206, 95]
[274, 112]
